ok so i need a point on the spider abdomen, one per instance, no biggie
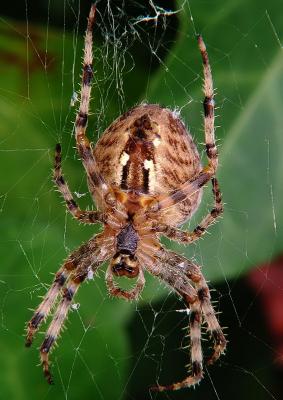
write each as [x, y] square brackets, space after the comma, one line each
[148, 150]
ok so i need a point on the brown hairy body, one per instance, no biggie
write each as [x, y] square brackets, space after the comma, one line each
[148, 150]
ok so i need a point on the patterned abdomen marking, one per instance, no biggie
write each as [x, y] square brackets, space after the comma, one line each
[148, 150]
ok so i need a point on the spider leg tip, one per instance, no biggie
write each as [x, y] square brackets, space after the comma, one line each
[156, 388]
[48, 375]
[199, 38]
[92, 10]
[58, 148]
[201, 43]
[49, 379]
[29, 337]
[161, 388]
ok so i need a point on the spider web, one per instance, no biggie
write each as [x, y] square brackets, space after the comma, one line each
[144, 51]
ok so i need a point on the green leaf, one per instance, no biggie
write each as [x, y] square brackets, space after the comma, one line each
[248, 75]
[94, 357]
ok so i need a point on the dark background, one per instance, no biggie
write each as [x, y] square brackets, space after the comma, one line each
[112, 349]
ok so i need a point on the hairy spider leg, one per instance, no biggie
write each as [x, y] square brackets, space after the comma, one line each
[178, 272]
[59, 282]
[83, 145]
[169, 274]
[60, 316]
[100, 250]
[189, 237]
[179, 282]
[75, 269]
[193, 272]
[190, 187]
[195, 322]
[87, 217]
[213, 326]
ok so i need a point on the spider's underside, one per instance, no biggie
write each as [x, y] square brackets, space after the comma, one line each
[146, 179]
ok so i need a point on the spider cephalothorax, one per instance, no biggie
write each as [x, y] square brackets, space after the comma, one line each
[146, 178]
[124, 262]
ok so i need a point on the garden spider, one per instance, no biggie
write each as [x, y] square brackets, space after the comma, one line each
[146, 178]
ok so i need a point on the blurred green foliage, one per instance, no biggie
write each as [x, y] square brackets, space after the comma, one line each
[36, 86]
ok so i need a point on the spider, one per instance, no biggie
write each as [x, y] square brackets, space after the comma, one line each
[146, 178]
